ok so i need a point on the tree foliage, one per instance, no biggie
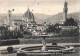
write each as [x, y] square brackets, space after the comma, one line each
[53, 28]
[70, 22]
[7, 34]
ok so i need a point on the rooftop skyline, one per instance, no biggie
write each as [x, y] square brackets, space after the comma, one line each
[49, 7]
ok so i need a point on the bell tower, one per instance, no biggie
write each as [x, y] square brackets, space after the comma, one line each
[65, 10]
[9, 17]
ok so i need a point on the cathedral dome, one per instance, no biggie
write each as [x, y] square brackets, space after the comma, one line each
[28, 14]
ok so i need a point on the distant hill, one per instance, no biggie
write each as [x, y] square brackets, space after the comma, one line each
[56, 18]
[40, 18]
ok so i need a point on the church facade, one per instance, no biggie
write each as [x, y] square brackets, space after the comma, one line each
[27, 22]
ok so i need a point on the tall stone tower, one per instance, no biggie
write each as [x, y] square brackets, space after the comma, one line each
[9, 20]
[65, 10]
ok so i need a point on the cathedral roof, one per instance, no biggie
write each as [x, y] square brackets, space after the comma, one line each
[28, 14]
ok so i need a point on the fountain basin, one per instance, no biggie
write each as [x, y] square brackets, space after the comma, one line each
[51, 50]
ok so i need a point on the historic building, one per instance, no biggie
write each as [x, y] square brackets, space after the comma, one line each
[29, 20]
[10, 22]
[69, 27]
[26, 23]
[65, 10]
[19, 24]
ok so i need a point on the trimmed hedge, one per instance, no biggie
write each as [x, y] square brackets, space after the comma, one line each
[9, 42]
[39, 40]
[51, 40]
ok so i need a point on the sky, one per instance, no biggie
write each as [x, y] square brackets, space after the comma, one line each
[49, 7]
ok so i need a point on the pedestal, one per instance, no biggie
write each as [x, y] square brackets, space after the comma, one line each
[44, 41]
[44, 44]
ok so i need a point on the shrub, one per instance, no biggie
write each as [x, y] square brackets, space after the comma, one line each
[54, 43]
[10, 49]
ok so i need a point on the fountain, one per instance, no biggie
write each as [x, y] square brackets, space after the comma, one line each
[44, 49]
[40, 50]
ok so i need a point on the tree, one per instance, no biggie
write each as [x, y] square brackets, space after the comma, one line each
[53, 28]
[70, 22]
[27, 32]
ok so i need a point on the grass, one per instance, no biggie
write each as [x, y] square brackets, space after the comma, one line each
[13, 54]
[5, 53]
